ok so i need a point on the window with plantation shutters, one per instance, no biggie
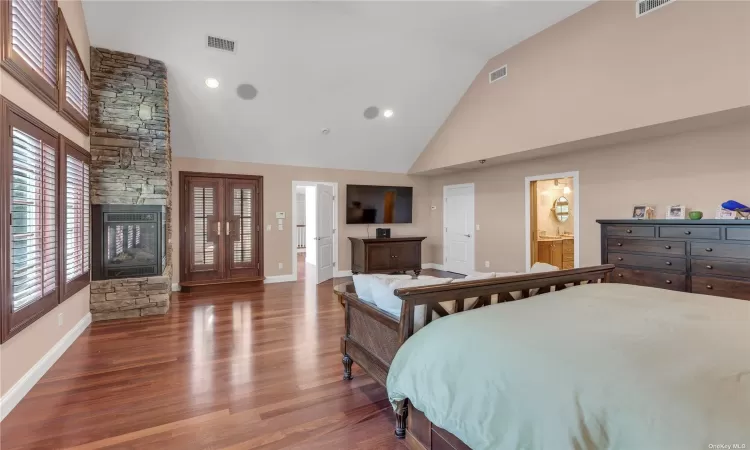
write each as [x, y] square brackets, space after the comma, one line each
[77, 218]
[30, 247]
[30, 41]
[76, 87]
[74, 84]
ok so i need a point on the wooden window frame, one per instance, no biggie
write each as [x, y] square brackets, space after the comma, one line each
[15, 65]
[67, 110]
[14, 322]
[68, 148]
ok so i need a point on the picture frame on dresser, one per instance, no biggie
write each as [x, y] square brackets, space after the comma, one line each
[709, 257]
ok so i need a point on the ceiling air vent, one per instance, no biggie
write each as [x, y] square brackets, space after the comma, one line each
[498, 73]
[646, 6]
[221, 44]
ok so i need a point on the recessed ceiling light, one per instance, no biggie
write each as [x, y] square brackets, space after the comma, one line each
[213, 83]
[387, 113]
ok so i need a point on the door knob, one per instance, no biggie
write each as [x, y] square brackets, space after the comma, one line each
[709, 249]
[467, 235]
[218, 228]
[619, 275]
[669, 281]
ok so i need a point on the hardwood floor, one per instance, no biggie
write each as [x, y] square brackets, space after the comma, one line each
[257, 369]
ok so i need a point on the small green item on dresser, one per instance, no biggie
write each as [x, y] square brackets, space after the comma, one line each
[695, 215]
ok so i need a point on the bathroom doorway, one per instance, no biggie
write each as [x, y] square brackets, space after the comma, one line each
[552, 220]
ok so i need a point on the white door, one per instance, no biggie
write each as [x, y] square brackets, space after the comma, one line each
[324, 230]
[458, 228]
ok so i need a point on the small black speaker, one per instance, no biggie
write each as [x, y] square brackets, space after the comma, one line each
[382, 233]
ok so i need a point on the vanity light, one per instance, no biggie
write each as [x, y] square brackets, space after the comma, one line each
[387, 113]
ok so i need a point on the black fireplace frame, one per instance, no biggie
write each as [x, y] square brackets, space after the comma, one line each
[100, 220]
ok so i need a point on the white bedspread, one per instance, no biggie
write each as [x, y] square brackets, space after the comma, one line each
[592, 367]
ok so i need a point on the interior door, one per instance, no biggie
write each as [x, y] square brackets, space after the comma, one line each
[204, 229]
[458, 220]
[324, 230]
[241, 229]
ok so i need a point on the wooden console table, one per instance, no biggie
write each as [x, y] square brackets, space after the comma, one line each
[387, 255]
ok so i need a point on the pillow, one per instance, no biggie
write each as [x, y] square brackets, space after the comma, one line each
[479, 276]
[543, 267]
[363, 284]
[382, 292]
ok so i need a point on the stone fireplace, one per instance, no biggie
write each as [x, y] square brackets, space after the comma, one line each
[131, 185]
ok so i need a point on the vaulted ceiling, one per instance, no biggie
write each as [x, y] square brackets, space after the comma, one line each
[317, 65]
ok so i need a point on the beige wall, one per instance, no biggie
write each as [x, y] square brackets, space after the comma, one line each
[22, 351]
[277, 197]
[601, 71]
[700, 169]
[547, 194]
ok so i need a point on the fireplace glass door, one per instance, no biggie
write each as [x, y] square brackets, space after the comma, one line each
[131, 244]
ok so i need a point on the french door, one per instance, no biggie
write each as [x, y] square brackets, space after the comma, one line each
[221, 220]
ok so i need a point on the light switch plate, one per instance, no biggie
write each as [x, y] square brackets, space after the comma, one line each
[281, 227]
[268, 228]
[486, 264]
[477, 227]
[281, 215]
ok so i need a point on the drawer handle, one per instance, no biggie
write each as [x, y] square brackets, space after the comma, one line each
[619, 275]
[668, 247]
[709, 286]
[669, 263]
[619, 244]
[688, 232]
[628, 231]
[709, 249]
[669, 281]
[709, 267]
[619, 258]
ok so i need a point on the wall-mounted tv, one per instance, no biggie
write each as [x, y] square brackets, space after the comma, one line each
[378, 204]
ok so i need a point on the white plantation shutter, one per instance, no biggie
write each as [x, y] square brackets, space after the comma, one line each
[76, 87]
[33, 225]
[77, 229]
[34, 35]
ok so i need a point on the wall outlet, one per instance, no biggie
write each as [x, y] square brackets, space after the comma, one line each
[281, 227]
[477, 227]
[268, 228]
[486, 264]
[281, 265]
[60, 319]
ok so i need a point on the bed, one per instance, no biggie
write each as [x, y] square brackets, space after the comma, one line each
[373, 337]
[604, 366]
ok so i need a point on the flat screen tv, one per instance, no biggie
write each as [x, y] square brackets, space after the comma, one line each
[378, 204]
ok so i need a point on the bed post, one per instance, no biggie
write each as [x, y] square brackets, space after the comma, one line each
[401, 420]
[347, 361]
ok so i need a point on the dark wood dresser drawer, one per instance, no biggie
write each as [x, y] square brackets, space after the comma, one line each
[721, 267]
[717, 250]
[690, 232]
[635, 231]
[646, 246]
[656, 262]
[738, 234]
[651, 278]
[722, 287]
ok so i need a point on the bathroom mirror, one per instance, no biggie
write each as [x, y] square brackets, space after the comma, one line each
[561, 209]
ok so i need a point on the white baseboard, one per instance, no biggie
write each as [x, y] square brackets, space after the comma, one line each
[22, 387]
[342, 273]
[176, 287]
[279, 279]
[432, 266]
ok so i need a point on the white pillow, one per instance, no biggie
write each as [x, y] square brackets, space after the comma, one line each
[363, 284]
[479, 276]
[543, 267]
[382, 292]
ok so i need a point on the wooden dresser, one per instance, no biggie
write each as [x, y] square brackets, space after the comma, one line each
[702, 256]
[386, 255]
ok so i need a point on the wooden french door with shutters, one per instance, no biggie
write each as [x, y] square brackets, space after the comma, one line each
[221, 220]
